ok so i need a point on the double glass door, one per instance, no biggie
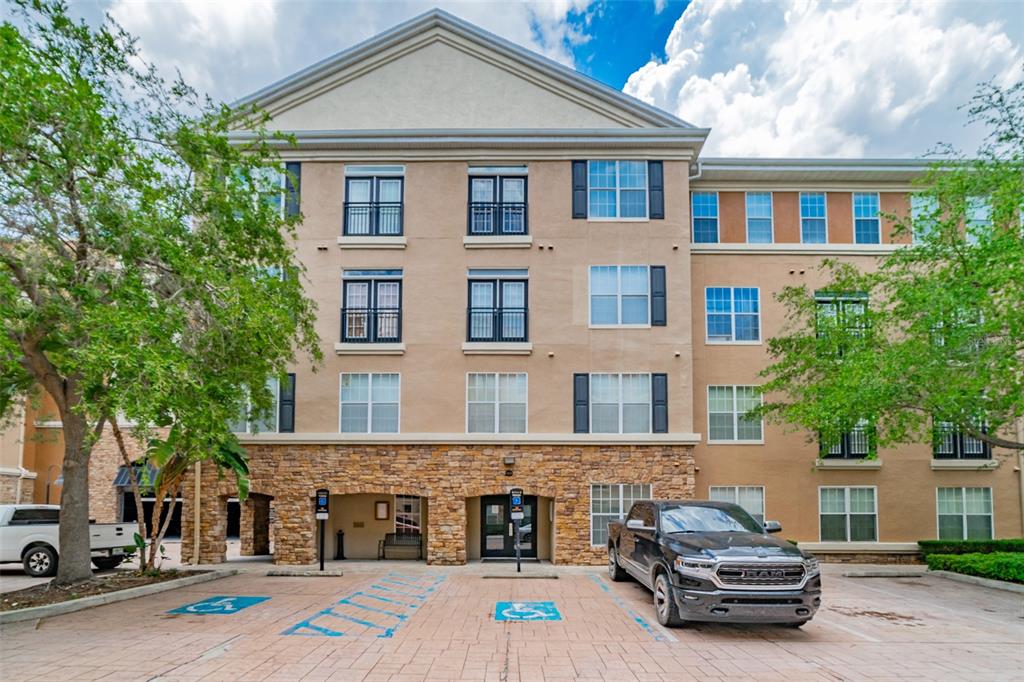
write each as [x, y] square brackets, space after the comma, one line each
[497, 538]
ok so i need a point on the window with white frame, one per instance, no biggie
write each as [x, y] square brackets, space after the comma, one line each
[611, 502]
[867, 226]
[495, 402]
[759, 217]
[408, 515]
[813, 220]
[848, 514]
[924, 215]
[964, 513]
[704, 208]
[727, 414]
[620, 295]
[370, 402]
[249, 422]
[620, 403]
[272, 183]
[617, 189]
[750, 497]
[732, 314]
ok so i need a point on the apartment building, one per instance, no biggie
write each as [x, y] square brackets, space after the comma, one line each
[528, 279]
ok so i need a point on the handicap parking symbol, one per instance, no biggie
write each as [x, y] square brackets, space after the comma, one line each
[219, 605]
[526, 610]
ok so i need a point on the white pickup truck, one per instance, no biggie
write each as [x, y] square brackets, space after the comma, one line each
[29, 535]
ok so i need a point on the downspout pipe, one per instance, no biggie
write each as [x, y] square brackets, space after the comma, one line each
[700, 171]
[1020, 471]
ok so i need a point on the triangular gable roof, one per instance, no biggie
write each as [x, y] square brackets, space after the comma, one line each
[438, 25]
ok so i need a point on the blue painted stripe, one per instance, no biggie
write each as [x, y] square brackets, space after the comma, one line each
[348, 601]
[366, 623]
[404, 594]
[412, 585]
[637, 618]
[386, 600]
[317, 629]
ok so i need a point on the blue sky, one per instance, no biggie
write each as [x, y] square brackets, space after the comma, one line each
[622, 36]
[770, 78]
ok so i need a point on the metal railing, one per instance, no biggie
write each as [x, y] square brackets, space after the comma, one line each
[371, 325]
[497, 218]
[856, 444]
[952, 443]
[497, 324]
[373, 219]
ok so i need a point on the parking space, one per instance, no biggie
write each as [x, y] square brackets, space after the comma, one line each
[416, 622]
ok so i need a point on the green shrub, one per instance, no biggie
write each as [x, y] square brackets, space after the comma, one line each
[1007, 566]
[970, 546]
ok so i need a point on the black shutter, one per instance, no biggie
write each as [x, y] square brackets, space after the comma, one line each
[659, 401]
[656, 190]
[579, 189]
[658, 311]
[286, 406]
[581, 403]
[292, 182]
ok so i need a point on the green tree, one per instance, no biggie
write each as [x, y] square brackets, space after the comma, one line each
[941, 337]
[141, 254]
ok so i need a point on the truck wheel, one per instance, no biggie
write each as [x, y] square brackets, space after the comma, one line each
[104, 563]
[615, 572]
[665, 603]
[40, 562]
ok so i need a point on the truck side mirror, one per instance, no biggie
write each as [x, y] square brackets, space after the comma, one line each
[637, 524]
[772, 527]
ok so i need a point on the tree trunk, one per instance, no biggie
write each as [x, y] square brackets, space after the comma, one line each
[140, 513]
[75, 557]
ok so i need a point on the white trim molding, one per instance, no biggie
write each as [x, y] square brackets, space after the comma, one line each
[524, 241]
[965, 464]
[463, 439]
[488, 348]
[369, 348]
[840, 463]
[372, 242]
[797, 249]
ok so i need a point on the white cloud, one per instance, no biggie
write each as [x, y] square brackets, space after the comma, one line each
[230, 48]
[807, 78]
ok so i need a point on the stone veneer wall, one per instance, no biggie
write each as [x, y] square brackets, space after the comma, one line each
[104, 461]
[9, 489]
[445, 474]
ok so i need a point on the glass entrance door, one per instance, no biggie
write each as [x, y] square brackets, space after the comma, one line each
[496, 532]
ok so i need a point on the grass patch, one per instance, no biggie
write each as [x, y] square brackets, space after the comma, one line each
[1008, 566]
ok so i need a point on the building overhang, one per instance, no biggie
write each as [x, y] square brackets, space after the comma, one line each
[727, 173]
[470, 439]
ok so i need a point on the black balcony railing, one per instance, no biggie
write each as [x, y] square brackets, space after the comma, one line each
[952, 443]
[373, 219]
[497, 324]
[371, 325]
[497, 218]
[856, 444]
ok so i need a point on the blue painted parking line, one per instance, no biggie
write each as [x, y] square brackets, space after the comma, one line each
[220, 605]
[351, 615]
[658, 635]
[525, 611]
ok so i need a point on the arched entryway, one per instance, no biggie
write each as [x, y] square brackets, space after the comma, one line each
[374, 525]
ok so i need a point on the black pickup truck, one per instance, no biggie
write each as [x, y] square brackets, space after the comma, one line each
[711, 561]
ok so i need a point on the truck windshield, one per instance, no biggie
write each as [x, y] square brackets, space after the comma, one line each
[693, 519]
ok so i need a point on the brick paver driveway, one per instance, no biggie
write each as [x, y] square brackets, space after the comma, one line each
[414, 622]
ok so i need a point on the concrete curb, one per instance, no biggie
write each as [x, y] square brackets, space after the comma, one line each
[981, 582]
[520, 576]
[284, 573]
[884, 574]
[50, 610]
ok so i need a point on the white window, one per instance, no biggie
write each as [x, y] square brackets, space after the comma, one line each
[964, 513]
[750, 497]
[495, 403]
[620, 403]
[813, 218]
[848, 514]
[408, 518]
[759, 218]
[617, 189]
[704, 207]
[727, 410]
[979, 218]
[924, 215]
[620, 295]
[732, 314]
[248, 422]
[611, 502]
[271, 181]
[867, 227]
[369, 403]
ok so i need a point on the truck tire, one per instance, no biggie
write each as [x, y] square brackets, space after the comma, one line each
[40, 561]
[664, 603]
[615, 572]
[104, 563]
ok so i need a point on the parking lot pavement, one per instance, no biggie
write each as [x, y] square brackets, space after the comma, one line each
[406, 621]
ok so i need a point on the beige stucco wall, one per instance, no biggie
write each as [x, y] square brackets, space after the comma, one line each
[434, 266]
[784, 464]
[354, 515]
